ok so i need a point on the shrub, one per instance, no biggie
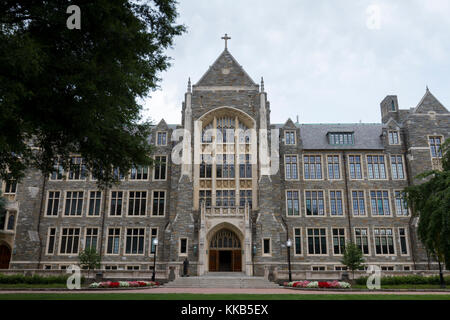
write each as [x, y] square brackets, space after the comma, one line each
[412, 279]
[35, 279]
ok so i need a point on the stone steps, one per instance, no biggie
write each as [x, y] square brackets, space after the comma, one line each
[232, 280]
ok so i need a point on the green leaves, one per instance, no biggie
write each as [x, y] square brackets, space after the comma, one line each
[75, 91]
[89, 258]
[431, 203]
[352, 257]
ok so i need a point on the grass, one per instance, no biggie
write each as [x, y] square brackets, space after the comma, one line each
[188, 296]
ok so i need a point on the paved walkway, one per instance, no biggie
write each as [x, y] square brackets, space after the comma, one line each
[231, 291]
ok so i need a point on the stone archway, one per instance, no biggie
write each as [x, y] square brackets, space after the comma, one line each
[5, 256]
[225, 251]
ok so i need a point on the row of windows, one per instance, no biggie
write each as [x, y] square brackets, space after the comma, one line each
[225, 166]
[77, 171]
[379, 202]
[312, 167]
[317, 242]
[133, 242]
[74, 202]
[226, 198]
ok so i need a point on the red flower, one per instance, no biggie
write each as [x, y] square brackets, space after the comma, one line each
[141, 283]
[114, 285]
[323, 284]
[295, 284]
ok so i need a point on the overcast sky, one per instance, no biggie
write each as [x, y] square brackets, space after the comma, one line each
[326, 61]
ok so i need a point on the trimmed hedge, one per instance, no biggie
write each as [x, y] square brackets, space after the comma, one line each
[35, 279]
[413, 279]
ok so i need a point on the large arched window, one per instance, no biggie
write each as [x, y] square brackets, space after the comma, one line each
[225, 239]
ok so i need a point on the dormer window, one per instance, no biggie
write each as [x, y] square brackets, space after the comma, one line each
[394, 138]
[289, 137]
[341, 138]
[161, 138]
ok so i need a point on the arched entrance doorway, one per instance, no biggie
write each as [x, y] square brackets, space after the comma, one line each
[5, 256]
[225, 252]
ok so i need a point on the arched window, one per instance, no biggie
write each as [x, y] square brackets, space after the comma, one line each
[225, 239]
[392, 105]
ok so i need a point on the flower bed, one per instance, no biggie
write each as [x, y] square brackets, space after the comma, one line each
[318, 284]
[123, 284]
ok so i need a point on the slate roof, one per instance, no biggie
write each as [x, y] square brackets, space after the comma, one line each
[366, 135]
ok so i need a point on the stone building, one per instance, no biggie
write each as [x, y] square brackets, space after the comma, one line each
[232, 209]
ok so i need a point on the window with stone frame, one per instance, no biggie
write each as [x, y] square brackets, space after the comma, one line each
[312, 167]
[397, 167]
[77, 169]
[205, 166]
[53, 199]
[394, 138]
[289, 137]
[58, 171]
[74, 203]
[334, 172]
[183, 246]
[161, 138]
[376, 167]
[160, 168]
[95, 199]
[317, 241]
[134, 241]
[159, 203]
[297, 241]
[318, 268]
[51, 240]
[359, 203]
[379, 200]
[134, 268]
[384, 241]
[401, 205]
[70, 239]
[10, 186]
[338, 240]
[205, 197]
[137, 203]
[435, 146]
[362, 239]
[225, 166]
[116, 203]
[118, 175]
[245, 196]
[113, 241]
[91, 238]
[8, 221]
[290, 165]
[355, 167]
[267, 250]
[402, 234]
[293, 202]
[225, 198]
[245, 166]
[139, 173]
[336, 203]
[314, 203]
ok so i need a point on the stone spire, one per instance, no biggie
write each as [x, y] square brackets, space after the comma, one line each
[189, 88]
[262, 84]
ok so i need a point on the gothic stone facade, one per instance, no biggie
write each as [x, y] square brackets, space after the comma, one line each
[335, 182]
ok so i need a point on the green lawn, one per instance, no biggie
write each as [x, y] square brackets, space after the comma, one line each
[187, 296]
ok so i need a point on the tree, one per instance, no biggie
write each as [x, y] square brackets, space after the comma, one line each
[90, 259]
[430, 202]
[2, 207]
[65, 91]
[352, 257]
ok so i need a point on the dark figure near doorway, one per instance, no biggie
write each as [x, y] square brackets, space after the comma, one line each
[185, 267]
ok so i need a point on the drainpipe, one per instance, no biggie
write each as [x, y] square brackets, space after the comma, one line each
[347, 195]
[44, 183]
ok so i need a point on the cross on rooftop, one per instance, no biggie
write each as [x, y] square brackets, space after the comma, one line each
[226, 38]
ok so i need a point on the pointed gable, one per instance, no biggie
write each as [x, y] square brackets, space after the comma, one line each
[289, 124]
[225, 71]
[430, 103]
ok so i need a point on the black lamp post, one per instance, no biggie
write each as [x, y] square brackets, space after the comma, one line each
[288, 245]
[155, 243]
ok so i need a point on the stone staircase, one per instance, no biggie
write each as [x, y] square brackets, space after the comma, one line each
[221, 280]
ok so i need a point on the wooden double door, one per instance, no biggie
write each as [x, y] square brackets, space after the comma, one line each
[225, 260]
